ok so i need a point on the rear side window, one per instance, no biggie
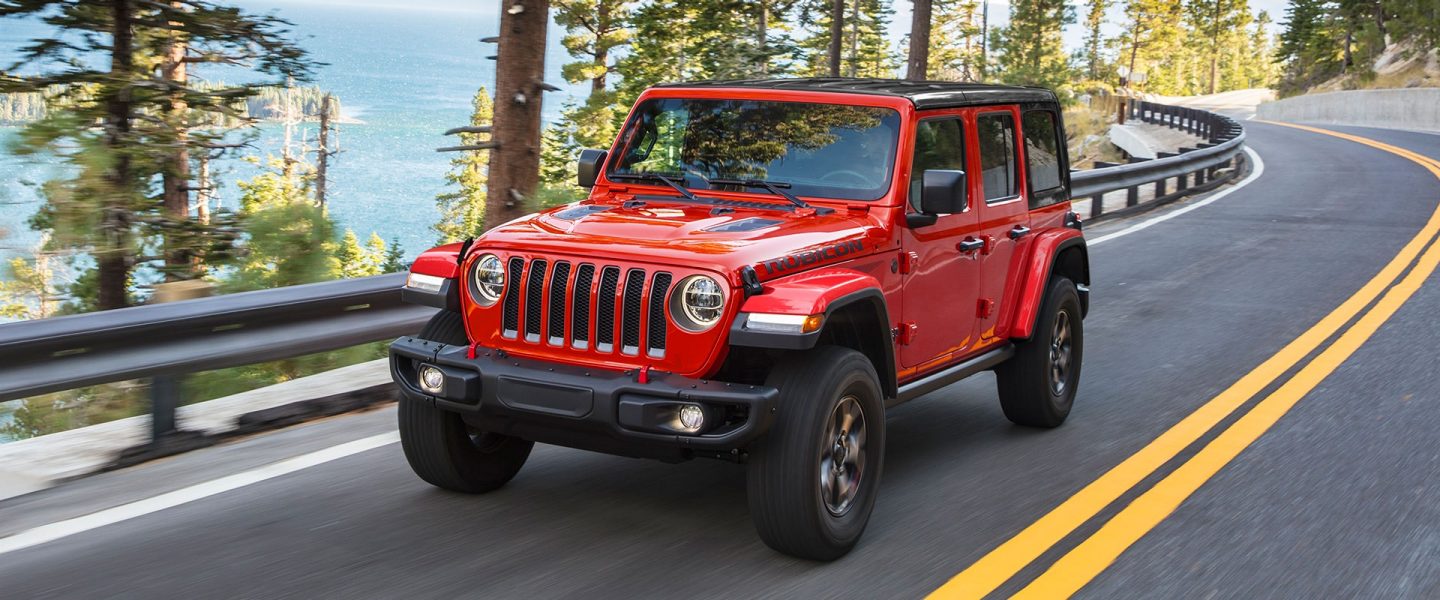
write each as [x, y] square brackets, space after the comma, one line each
[997, 156]
[939, 144]
[1042, 156]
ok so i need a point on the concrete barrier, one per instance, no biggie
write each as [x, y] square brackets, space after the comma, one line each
[1413, 108]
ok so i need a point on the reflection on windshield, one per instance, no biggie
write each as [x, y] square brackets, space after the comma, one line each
[821, 150]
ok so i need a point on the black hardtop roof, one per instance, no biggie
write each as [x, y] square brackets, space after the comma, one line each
[923, 94]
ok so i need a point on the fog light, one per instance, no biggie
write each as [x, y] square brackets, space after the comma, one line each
[692, 417]
[431, 379]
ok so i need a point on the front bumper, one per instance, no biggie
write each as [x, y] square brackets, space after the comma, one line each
[592, 409]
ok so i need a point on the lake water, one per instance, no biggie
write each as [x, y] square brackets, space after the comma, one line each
[407, 73]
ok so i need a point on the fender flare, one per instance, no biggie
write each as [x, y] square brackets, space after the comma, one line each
[1019, 322]
[822, 291]
[442, 262]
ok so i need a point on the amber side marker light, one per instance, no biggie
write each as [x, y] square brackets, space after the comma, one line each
[774, 323]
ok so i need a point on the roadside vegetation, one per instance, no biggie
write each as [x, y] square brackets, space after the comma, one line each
[1359, 44]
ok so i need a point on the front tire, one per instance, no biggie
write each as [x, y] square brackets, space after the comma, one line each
[442, 449]
[1037, 385]
[814, 477]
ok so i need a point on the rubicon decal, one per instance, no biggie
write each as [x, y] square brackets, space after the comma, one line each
[805, 259]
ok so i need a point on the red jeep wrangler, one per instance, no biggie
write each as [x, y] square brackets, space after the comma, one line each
[761, 269]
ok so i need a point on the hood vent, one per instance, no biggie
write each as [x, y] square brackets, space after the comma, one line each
[750, 224]
[581, 211]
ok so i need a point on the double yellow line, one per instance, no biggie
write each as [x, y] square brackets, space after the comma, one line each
[1088, 559]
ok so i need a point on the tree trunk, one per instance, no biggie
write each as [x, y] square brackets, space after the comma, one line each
[203, 191]
[1215, 48]
[178, 258]
[602, 55]
[762, 27]
[837, 33]
[322, 156]
[520, 67]
[1134, 52]
[112, 260]
[919, 64]
[985, 40]
[1349, 41]
[855, 40]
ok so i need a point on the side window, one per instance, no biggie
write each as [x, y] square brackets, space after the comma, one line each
[997, 156]
[939, 144]
[1042, 155]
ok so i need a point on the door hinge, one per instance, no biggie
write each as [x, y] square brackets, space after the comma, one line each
[908, 261]
[905, 333]
[984, 308]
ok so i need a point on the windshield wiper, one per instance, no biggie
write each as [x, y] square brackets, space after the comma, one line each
[775, 187]
[667, 180]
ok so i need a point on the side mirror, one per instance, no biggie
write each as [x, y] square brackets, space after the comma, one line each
[942, 192]
[591, 161]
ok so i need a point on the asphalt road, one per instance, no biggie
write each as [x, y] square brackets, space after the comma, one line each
[1336, 500]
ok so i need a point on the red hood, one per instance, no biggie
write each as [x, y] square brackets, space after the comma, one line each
[684, 233]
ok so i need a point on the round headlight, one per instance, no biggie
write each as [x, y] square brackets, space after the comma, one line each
[701, 301]
[489, 276]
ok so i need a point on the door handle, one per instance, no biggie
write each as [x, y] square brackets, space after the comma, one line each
[970, 244]
[1018, 231]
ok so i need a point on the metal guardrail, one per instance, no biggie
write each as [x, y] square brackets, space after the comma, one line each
[60, 353]
[1193, 169]
[163, 341]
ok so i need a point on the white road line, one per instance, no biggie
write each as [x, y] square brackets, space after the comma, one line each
[1255, 172]
[139, 508]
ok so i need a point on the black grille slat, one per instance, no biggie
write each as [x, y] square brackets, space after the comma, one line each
[630, 325]
[580, 315]
[655, 326]
[559, 283]
[605, 309]
[511, 325]
[534, 295]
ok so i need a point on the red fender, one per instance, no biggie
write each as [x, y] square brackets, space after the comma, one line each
[440, 261]
[1039, 259]
[809, 293]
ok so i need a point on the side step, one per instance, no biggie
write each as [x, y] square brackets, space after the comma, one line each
[949, 375]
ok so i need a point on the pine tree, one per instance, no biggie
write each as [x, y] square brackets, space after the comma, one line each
[1218, 24]
[26, 289]
[118, 125]
[1309, 46]
[1152, 33]
[1094, 37]
[1030, 48]
[955, 41]
[289, 240]
[394, 258]
[462, 206]
[864, 43]
[595, 30]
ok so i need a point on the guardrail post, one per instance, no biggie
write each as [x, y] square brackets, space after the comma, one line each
[1132, 195]
[164, 399]
[1200, 177]
[1097, 205]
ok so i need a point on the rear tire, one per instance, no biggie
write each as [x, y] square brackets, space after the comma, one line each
[814, 477]
[1037, 385]
[442, 449]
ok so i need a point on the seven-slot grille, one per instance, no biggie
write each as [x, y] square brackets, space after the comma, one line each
[554, 301]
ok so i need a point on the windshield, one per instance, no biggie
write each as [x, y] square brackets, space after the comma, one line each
[819, 150]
